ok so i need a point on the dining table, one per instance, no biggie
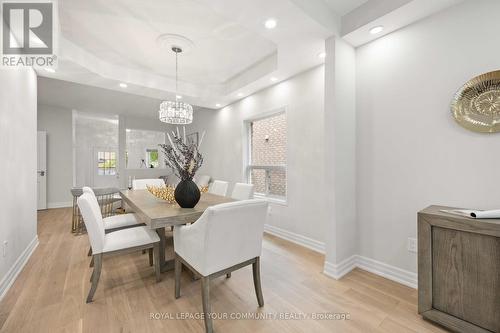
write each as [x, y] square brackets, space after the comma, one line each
[159, 214]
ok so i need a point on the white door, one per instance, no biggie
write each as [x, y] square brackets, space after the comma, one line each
[42, 170]
[105, 167]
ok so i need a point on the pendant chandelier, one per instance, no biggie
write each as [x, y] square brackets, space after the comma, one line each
[175, 112]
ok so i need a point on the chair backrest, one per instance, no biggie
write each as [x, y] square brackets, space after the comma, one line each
[202, 180]
[93, 221]
[140, 184]
[232, 233]
[242, 191]
[219, 187]
[88, 190]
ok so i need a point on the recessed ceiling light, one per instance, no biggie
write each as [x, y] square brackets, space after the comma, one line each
[240, 94]
[50, 70]
[274, 79]
[322, 55]
[128, 130]
[178, 96]
[123, 85]
[271, 23]
[376, 30]
[218, 105]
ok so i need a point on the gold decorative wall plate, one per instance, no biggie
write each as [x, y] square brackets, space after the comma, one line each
[476, 106]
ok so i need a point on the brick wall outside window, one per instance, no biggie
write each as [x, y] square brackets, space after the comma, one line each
[268, 148]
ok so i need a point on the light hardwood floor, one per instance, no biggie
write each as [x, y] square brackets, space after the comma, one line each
[49, 295]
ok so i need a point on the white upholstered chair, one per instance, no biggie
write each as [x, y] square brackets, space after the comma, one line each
[140, 184]
[225, 238]
[125, 240]
[202, 180]
[242, 191]
[115, 222]
[219, 187]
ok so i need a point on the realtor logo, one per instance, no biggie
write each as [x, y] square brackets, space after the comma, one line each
[28, 30]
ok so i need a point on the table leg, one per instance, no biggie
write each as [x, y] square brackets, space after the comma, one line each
[166, 265]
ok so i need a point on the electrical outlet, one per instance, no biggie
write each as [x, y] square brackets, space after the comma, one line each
[412, 245]
[5, 243]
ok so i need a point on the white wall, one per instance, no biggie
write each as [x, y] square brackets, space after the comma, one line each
[410, 151]
[340, 151]
[303, 97]
[18, 197]
[140, 123]
[93, 132]
[56, 122]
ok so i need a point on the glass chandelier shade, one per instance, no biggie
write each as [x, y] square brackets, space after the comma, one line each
[175, 112]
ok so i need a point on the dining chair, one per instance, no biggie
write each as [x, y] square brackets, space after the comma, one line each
[225, 238]
[121, 241]
[242, 191]
[115, 222]
[140, 184]
[219, 187]
[202, 180]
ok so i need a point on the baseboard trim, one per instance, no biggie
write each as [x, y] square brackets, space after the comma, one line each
[390, 272]
[393, 273]
[51, 205]
[337, 271]
[304, 241]
[18, 266]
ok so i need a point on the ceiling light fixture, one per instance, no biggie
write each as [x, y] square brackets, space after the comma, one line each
[240, 94]
[175, 112]
[218, 105]
[123, 85]
[270, 23]
[376, 30]
[322, 55]
[50, 70]
[274, 79]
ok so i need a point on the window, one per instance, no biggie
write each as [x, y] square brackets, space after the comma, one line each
[267, 155]
[106, 163]
[152, 158]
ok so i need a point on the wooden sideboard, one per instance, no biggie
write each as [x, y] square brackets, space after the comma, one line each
[459, 271]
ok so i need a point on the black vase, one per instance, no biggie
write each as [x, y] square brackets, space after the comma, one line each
[187, 194]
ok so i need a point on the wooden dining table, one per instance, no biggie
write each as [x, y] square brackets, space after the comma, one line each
[158, 214]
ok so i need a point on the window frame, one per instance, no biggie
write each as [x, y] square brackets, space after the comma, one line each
[107, 170]
[149, 160]
[247, 157]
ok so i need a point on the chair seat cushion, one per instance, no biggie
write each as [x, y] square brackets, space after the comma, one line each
[128, 238]
[119, 221]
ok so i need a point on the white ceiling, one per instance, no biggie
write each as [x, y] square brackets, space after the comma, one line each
[103, 43]
[74, 96]
[343, 7]
[125, 33]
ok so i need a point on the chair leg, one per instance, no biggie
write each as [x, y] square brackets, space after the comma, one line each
[150, 257]
[256, 281]
[207, 311]
[228, 275]
[91, 262]
[95, 276]
[90, 252]
[178, 271]
[156, 256]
